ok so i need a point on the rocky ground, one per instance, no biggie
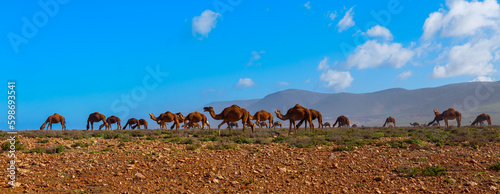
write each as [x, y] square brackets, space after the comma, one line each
[149, 166]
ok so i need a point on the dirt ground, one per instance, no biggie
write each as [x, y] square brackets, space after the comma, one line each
[149, 166]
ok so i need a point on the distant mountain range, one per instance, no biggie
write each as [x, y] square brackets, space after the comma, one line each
[371, 109]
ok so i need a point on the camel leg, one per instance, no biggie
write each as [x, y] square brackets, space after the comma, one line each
[222, 124]
[92, 125]
[446, 123]
[459, 121]
[290, 128]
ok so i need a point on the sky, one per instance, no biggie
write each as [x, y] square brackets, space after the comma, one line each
[132, 58]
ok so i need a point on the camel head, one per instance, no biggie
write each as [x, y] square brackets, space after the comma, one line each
[436, 112]
[42, 127]
[277, 112]
[208, 109]
[152, 116]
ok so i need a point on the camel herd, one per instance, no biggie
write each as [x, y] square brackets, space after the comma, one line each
[232, 114]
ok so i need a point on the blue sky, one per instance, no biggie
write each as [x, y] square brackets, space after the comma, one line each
[132, 58]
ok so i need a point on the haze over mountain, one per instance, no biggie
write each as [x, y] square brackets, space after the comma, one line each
[371, 109]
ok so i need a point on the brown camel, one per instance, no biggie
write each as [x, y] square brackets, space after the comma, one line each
[262, 115]
[195, 117]
[327, 124]
[96, 117]
[314, 115]
[191, 125]
[112, 120]
[415, 124]
[231, 114]
[450, 114]
[232, 125]
[390, 121]
[55, 118]
[165, 118]
[261, 124]
[480, 119]
[277, 123]
[353, 125]
[130, 123]
[142, 122]
[296, 113]
[342, 121]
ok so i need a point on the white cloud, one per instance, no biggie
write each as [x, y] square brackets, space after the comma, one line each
[332, 15]
[404, 75]
[244, 83]
[281, 83]
[323, 64]
[472, 58]
[337, 80]
[463, 18]
[307, 81]
[204, 23]
[255, 57]
[379, 31]
[372, 54]
[483, 79]
[346, 22]
[307, 5]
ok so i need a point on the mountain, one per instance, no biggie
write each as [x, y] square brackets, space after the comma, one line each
[371, 109]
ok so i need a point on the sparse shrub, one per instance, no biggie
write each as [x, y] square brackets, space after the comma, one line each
[136, 134]
[240, 140]
[193, 146]
[94, 152]
[125, 138]
[106, 149]
[187, 141]
[433, 171]
[43, 141]
[83, 145]
[261, 140]
[343, 148]
[279, 139]
[151, 138]
[221, 145]
[421, 171]
[37, 150]
[54, 149]
[495, 166]
[111, 135]
[6, 145]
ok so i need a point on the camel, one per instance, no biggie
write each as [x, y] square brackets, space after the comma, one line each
[415, 124]
[342, 121]
[450, 114]
[191, 125]
[112, 120]
[262, 123]
[296, 113]
[232, 113]
[262, 115]
[142, 122]
[480, 119]
[96, 117]
[165, 118]
[130, 123]
[390, 120]
[55, 118]
[354, 126]
[194, 117]
[327, 124]
[314, 115]
[277, 123]
[232, 125]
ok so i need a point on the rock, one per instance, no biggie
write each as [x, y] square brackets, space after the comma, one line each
[17, 184]
[379, 178]
[282, 169]
[470, 183]
[139, 176]
[493, 188]
[235, 182]
[335, 166]
[215, 181]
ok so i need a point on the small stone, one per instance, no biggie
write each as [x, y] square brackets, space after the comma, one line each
[139, 176]
[493, 188]
[215, 181]
[234, 182]
[282, 169]
[335, 166]
[379, 178]
[470, 183]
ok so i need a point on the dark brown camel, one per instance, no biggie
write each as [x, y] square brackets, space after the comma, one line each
[112, 120]
[314, 115]
[450, 114]
[342, 121]
[231, 114]
[130, 123]
[96, 117]
[262, 115]
[296, 113]
[390, 121]
[165, 118]
[480, 119]
[55, 118]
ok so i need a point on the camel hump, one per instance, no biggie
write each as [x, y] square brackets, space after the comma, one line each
[56, 114]
[451, 109]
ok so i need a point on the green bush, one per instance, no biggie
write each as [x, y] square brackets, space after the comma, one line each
[37, 150]
[495, 166]
[43, 141]
[6, 145]
[54, 149]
